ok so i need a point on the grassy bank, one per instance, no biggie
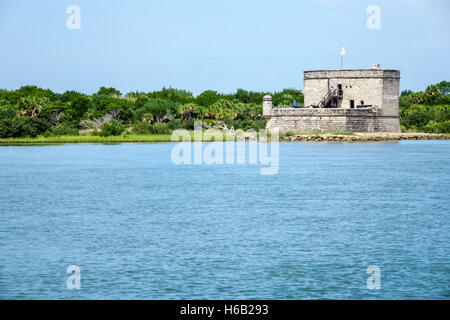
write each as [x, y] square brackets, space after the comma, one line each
[87, 139]
[96, 139]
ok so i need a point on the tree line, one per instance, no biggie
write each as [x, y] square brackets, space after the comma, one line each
[30, 111]
[426, 111]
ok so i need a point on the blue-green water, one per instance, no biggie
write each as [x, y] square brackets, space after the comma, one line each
[139, 226]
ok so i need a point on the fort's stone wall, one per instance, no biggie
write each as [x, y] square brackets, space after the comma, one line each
[320, 119]
[390, 91]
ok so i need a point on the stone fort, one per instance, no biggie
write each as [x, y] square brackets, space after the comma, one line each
[359, 100]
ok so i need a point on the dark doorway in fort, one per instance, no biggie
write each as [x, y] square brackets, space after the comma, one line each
[340, 93]
[352, 104]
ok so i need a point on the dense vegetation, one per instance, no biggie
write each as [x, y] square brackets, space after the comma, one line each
[426, 111]
[31, 111]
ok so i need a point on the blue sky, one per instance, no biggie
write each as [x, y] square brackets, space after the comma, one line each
[219, 45]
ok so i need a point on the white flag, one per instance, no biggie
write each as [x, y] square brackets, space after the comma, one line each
[342, 51]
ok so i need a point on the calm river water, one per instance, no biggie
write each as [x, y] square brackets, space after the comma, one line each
[141, 227]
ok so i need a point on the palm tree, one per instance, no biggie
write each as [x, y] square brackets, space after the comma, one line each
[189, 110]
[148, 117]
[30, 106]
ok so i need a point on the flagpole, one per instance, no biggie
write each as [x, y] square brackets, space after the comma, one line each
[342, 58]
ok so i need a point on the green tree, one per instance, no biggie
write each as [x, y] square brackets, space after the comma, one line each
[159, 109]
[23, 127]
[406, 93]
[174, 95]
[31, 106]
[444, 87]
[108, 91]
[70, 96]
[249, 96]
[433, 93]
[79, 106]
[98, 105]
[189, 111]
[111, 129]
[141, 100]
[287, 97]
[207, 98]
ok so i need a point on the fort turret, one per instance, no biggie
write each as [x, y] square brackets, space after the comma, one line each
[267, 106]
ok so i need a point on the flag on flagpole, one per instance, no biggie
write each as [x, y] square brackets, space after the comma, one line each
[342, 51]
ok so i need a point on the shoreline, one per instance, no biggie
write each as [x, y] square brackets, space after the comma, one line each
[378, 136]
[303, 137]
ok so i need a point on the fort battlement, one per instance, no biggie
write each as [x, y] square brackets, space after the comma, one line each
[351, 74]
[359, 100]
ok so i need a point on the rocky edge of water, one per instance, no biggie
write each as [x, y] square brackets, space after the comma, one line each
[365, 137]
